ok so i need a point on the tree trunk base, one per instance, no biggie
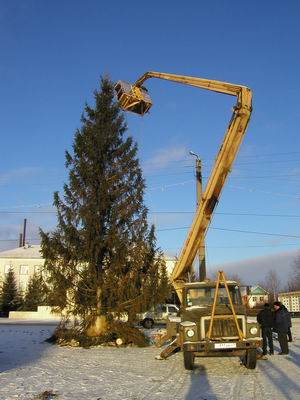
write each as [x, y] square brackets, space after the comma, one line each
[97, 327]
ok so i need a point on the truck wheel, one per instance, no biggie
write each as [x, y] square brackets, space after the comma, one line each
[188, 358]
[250, 359]
[148, 323]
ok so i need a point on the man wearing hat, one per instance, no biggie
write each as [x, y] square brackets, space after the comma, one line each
[281, 326]
[265, 319]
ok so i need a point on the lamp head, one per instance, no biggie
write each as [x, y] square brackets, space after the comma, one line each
[193, 154]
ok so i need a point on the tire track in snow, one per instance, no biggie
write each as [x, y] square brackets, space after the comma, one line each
[170, 384]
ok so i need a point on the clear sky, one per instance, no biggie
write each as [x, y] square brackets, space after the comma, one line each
[52, 55]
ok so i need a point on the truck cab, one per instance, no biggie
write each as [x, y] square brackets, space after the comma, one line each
[224, 338]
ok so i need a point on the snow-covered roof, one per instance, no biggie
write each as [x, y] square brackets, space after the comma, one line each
[34, 251]
[28, 251]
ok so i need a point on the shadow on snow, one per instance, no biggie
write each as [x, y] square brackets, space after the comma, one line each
[22, 344]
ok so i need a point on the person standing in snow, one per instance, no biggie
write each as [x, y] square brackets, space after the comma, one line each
[289, 332]
[265, 319]
[281, 326]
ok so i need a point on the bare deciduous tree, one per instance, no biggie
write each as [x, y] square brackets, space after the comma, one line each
[272, 284]
[230, 276]
[294, 279]
[234, 277]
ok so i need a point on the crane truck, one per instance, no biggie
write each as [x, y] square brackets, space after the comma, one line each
[213, 320]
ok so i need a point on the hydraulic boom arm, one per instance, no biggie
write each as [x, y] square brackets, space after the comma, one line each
[227, 153]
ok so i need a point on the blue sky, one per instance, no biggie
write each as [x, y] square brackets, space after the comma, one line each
[52, 55]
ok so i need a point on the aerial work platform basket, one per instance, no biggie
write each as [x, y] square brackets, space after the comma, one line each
[133, 98]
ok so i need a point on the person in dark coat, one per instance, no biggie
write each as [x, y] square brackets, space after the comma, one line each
[281, 326]
[289, 332]
[265, 318]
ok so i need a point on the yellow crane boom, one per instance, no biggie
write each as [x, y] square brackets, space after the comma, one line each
[135, 98]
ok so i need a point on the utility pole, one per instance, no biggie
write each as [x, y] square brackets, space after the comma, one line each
[24, 232]
[201, 251]
[21, 240]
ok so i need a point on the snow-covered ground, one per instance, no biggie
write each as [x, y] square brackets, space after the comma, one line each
[29, 367]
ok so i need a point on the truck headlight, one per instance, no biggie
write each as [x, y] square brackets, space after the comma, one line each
[190, 333]
[253, 330]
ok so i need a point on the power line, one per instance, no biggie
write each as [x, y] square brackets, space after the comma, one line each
[259, 215]
[191, 167]
[169, 174]
[17, 240]
[271, 154]
[164, 187]
[278, 176]
[174, 212]
[267, 162]
[240, 246]
[233, 230]
[207, 246]
[256, 233]
[189, 159]
[27, 212]
[251, 190]
[264, 176]
[210, 161]
[229, 213]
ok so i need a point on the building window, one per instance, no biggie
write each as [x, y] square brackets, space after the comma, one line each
[254, 298]
[7, 268]
[24, 269]
[23, 286]
[261, 299]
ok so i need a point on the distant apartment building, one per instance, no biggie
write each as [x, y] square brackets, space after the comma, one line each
[291, 300]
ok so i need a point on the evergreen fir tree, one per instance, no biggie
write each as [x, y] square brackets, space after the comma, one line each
[101, 258]
[10, 297]
[35, 294]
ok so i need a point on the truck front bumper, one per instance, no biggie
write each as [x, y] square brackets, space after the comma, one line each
[225, 348]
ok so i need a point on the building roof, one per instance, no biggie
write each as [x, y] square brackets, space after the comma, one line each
[28, 251]
[295, 293]
[167, 257]
[34, 251]
[258, 291]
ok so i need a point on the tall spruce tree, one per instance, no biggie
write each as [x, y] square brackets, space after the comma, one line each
[101, 259]
[10, 297]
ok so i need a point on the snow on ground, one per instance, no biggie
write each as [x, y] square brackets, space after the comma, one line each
[29, 367]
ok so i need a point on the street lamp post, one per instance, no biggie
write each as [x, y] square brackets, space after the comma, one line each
[201, 251]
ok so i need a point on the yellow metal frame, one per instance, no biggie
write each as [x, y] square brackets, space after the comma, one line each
[222, 279]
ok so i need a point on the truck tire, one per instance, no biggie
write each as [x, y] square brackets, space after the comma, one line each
[250, 359]
[188, 359]
[148, 323]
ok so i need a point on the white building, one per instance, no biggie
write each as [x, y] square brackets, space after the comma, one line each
[291, 300]
[258, 297]
[24, 261]
[170, 264]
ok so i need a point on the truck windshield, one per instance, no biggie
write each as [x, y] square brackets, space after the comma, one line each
[205, 296]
